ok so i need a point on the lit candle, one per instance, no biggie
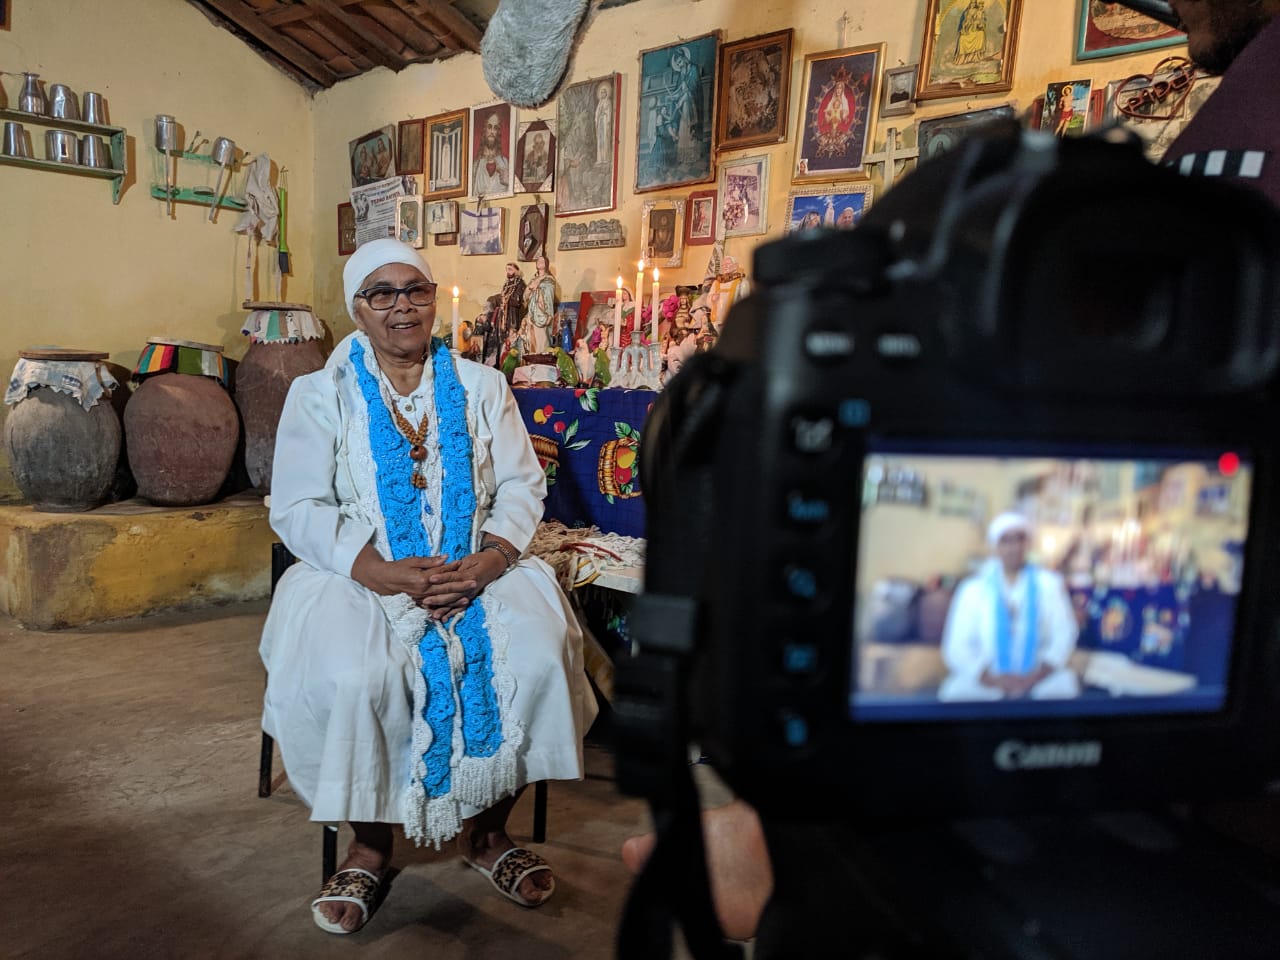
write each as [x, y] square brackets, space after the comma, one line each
[636, 327]
[617, 314]
[456, 344]
[653, 308]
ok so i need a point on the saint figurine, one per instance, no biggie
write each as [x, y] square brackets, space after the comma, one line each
[540, 307]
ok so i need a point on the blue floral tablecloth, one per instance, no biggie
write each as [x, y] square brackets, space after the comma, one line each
[588, 442]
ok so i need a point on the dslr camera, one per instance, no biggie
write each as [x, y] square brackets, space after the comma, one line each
[1053, 338]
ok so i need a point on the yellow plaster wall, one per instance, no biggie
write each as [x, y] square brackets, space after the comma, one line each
[76, 270]
[611, 43]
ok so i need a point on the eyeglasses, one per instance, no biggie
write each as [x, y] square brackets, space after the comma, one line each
[420, 294]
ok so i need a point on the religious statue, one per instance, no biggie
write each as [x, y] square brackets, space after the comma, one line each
[508, 316]
[540, 307]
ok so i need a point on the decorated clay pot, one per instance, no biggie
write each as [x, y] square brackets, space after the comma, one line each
[284, 345]
[63, 456]
[181, 428]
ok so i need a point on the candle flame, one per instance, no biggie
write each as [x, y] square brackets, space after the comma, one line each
[655, 274]
[642, 264]
[619, 281]
[455, 292]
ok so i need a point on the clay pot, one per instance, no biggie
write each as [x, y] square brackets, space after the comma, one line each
[182, 430]
[63, 456]
[262, 382]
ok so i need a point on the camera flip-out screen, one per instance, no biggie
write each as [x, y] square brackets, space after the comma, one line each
[1019, 583]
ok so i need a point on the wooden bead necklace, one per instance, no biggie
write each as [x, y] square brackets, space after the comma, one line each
[417, 437]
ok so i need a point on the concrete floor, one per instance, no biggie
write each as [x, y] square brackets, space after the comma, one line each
[132, 825]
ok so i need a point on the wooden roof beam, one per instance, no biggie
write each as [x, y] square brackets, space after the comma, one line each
[453, 22]
[236, 12]
[364, 40]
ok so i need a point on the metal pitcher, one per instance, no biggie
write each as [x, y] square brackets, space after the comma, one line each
[15, 141]
[95, 108]
[32, 98]
[63, 102]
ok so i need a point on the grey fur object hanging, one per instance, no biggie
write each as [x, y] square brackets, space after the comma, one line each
[525, 50]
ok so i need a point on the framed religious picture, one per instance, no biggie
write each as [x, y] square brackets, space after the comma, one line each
[409, 221]
[899, 98]
[373, 156]
[595, 317]
[662, 232]
[1065, 112]
[409, 157]
[346, 230]
[938, 135]
[837, 114]
[839, 207]
[969, 48]
[446, 140]
[492, 149]
[754, 84]
[1112, 29]
[447, 239]
[744, 196]
[480, 231]
[677, 104]
[586, 162]
[535, 166]
[700, 219]
[531, 241]
[442, 216]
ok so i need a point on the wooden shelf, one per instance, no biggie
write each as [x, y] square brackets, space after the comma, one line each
[187, 195]
[118, 154]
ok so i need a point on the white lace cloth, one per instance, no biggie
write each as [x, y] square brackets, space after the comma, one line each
[86, 380]
[282, 326]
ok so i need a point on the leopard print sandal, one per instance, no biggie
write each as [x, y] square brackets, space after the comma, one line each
[352, 885]
[512, 867]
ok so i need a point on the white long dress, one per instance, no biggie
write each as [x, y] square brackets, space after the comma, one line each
[341, 675]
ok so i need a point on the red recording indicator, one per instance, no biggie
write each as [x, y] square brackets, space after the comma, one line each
[1228, 464]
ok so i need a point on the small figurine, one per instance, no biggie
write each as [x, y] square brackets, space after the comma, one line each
[540, 303]
[510, 304]
[585, 361]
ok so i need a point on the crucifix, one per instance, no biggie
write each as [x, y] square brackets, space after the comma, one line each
[889, 155]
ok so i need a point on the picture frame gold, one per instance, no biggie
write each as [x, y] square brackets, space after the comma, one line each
[753, 91]
[409, 144]
[446, 139]
[662, 231]
[969, 48]
[838, 111]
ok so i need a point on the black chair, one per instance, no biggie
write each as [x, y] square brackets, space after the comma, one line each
[281, 560]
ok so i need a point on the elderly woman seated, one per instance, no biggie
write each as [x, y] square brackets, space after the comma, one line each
[420, 671]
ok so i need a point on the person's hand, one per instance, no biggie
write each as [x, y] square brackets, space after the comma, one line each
[452, 586]
[410, 575]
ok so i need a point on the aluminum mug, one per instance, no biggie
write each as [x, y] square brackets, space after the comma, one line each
[60, 146]
[15, 141]
[167, 134]
[63, 103]
[93, 152]
[32, 98]
[95, 108]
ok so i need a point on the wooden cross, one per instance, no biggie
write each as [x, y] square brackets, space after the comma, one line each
[889, 155]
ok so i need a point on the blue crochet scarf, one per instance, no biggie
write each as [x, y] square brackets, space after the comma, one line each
[1004, 628]
[402, 507]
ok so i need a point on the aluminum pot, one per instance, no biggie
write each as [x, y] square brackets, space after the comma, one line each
[60, 146]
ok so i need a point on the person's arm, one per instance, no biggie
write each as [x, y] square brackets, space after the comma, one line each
[962, 634]
[304, 505]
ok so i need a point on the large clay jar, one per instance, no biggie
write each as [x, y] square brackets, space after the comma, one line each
[284, 344]
[62, 435]
[181, 428]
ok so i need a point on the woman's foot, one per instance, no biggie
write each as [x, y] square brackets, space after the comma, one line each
[483, 848]
[371, 850]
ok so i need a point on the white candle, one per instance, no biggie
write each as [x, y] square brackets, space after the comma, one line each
[456, 344]
[617, 314]
[636, 327]
[653, 308]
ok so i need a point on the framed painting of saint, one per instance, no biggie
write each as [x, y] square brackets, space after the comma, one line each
[969, 48]
[837, 115]
[586, 161]
[677, 104]
[492, 149]
[535, 162]
[1112, 29]
[446, 149]
[755, 86]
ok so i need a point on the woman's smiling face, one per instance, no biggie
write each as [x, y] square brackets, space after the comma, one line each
[404, 330]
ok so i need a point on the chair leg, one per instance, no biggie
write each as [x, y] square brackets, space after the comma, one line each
[264, 765]
[328, 852]
[540, 812]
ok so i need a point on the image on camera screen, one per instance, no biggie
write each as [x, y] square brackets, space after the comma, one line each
[993, 584]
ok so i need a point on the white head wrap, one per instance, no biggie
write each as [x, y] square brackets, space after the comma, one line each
[1006, 523]
[372, 255]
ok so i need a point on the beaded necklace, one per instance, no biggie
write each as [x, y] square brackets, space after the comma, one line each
[417, 437]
